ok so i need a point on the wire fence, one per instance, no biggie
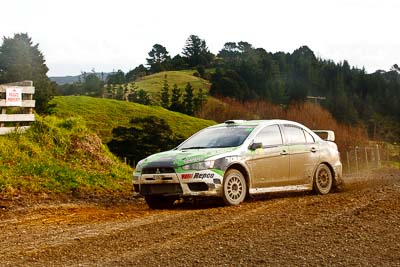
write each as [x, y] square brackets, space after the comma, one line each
[359, 159]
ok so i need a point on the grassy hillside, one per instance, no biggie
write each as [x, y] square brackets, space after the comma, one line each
[102, 115]
[153, 83]
[59, 156]
[65, 152]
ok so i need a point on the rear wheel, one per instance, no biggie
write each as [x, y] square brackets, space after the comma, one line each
[159, 202]
[235, 188]
[323, 180]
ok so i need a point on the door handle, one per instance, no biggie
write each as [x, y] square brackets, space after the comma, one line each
[313, 150]
[284, 152]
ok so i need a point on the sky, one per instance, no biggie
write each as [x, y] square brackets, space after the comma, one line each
[81, 35]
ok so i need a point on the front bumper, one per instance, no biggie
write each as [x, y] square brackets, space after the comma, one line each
[187, 184]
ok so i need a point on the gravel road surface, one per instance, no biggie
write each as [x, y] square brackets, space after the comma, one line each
[359, 225]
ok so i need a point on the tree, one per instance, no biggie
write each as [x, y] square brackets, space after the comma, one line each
[143, 97]
[199, 100]
[146, 136]
[21, 60]
[196, 52]
[138, 96]
[119, 92]
[229, 83]
[138, 72]
[92, 85]
[165, 93]
[110, 91]
[176, 104]
[188, 101]
[178, 63]
[116, 77]
[158, 59]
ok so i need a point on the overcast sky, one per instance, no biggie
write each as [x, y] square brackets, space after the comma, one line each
[79, 35]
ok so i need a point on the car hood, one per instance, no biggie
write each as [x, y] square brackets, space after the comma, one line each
[177, 158]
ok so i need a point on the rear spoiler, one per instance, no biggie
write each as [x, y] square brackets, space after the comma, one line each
[325, 135]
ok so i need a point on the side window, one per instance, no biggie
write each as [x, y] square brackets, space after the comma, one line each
[309, 137]
[294, 134]
[269, 136]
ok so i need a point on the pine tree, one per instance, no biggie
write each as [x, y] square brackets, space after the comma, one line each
[176, 104]
[120, 93]
[158, 58]
[165, 94]
[199, 100]
[143, 97]
[188, 103]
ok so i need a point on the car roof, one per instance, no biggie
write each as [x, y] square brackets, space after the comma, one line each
[254, 123]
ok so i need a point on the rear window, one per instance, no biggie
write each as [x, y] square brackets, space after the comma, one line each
[294, 134]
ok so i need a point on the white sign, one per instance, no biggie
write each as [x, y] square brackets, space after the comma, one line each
[13, 96]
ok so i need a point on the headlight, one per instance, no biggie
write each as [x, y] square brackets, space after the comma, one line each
[202, 165]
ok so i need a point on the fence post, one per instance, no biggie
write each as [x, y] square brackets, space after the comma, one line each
[348, 162]
[378, 158]
[3, 111]
[355, 150]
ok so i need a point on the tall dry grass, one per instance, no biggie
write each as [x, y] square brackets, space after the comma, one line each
[312, 115]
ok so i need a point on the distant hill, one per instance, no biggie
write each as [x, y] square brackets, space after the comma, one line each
[153, 83]
[60, 80]
[102, 115]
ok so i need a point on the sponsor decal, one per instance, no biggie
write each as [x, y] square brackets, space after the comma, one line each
[187, 175]
[203, 175]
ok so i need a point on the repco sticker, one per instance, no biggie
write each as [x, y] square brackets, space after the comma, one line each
[187, 176]
[203, 175]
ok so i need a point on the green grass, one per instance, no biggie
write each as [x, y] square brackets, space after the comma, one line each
[59, 156]
[154, 83]
[102, 115]
[66, 152]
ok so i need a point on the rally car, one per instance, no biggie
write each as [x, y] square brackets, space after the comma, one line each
[241, 158]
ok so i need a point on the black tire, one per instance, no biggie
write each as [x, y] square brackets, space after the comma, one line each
[234, 187]
[323, 180]
[159, 202]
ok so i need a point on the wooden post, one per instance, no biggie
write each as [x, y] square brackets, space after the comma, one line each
[355, 151]
[3, 111]
[378, 157]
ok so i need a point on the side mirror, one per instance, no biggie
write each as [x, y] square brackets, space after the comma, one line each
[255, 146]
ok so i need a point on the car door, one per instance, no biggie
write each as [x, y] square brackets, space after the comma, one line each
[270, 163]
[303, 154]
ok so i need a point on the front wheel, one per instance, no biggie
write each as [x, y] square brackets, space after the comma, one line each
[159, 202]
[323, 180]
[235, 188]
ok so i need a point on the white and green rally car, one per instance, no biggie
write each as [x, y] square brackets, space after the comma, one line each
[240, 158]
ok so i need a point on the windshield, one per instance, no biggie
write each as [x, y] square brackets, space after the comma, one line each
[217, 138]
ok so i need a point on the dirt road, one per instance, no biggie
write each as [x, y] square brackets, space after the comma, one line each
[359, 225]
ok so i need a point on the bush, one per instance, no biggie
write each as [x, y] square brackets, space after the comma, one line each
[147, 136]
